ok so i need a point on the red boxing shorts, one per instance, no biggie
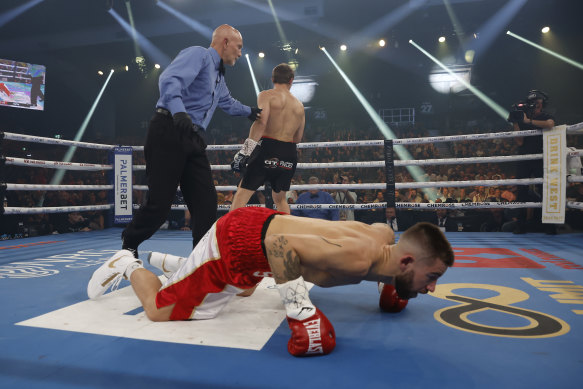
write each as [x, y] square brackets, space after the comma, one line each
[227, 260]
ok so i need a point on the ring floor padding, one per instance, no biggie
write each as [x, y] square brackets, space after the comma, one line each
[510, 314]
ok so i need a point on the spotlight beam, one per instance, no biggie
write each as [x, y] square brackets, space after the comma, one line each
[559, 56]
[196, 26]
[491, 29]
[457, 26]
[137, 51]
[270, 10]
[485, 99]
[156, 54]
[416, 172]
[17, 11]
[252, 75]
[58, 177]
[277, 23]
[384, 23]
[299, 20]
[193, 24]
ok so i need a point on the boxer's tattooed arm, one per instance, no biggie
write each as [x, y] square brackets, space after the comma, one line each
[284, 261]
[278, 247]
[291, 264]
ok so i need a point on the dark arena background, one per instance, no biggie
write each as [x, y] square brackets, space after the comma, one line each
[406, 107]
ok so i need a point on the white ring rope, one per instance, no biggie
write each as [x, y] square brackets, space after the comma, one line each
[313, 165]
[62, 142]
[32, 210]
[381, 205]
[56, 164]
[380, 185]
[57, 187]
[403, 185]
[434, 139]
[575, 128]
[407, 141]
[570, 204]
[406, 162]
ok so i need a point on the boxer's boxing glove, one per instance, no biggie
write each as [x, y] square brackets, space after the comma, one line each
[241, 159]
[390, 300]
[312, 336]
[239, 162]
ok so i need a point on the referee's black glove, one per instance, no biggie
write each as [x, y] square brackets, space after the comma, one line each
[182, 121]
[254, 112]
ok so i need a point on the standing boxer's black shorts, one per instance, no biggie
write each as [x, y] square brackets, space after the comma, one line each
[274, 161]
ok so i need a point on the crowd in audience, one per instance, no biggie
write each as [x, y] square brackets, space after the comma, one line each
[473, 220]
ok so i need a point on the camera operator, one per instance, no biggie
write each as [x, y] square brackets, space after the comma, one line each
[530, 116]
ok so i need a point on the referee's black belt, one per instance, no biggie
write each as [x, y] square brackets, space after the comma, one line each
[165, 112]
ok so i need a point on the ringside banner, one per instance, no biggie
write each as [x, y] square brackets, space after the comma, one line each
[123, 184]
[555, 171]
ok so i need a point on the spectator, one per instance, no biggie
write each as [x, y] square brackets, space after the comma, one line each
[72, 222]
[494, 221]
[316, 196]
[496, 195]
[510, 194]
[344, 196]
[480, 195]
[441, 219]
[463, 197]
[397, 220]
[413, 196]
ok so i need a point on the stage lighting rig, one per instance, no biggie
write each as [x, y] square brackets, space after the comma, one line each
[141, 64]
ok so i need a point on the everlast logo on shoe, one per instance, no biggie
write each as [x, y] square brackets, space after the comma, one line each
[315, 336]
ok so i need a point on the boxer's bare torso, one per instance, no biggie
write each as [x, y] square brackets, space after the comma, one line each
[332, 252]
[284, 113]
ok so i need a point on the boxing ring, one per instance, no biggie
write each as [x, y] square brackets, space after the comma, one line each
[509, 313]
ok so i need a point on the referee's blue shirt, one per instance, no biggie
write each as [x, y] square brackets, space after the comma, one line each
[192, 84]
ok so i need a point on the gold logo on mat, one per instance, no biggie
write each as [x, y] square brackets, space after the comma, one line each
[467, 315]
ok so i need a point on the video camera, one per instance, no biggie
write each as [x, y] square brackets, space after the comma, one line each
[526, 107]
[519, 109]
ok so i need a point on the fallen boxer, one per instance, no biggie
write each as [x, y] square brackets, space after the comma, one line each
[250, 243]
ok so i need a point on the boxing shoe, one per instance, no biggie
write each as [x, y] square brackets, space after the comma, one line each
[110, 273]
[168, 263]
[390, 300]
[313, 335]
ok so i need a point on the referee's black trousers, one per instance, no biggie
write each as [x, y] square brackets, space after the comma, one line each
[173, 158]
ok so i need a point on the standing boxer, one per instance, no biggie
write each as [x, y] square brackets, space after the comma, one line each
[269, 154]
